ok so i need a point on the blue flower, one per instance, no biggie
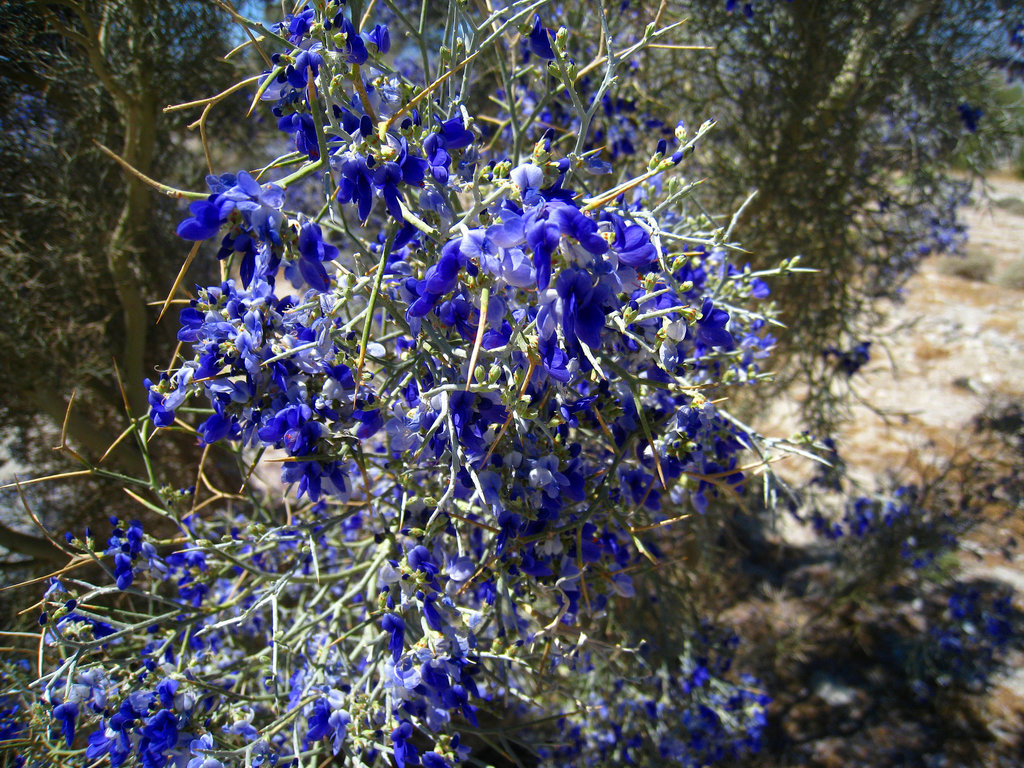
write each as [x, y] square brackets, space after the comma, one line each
[215, 428]
[255, 214]
[455, 134]
[355, 185]
[298, 72]
[159, 735]
[439, 279]
[970, 116]
[297, 25]
[461, 314]
[394, 625]
[108, 741]
[528, 178]
[100, 629]
[294, 428]
[543, 236]
[370, 422]
[244, 728]
[65, 714]
[556, 362]
[711, 330]
[303, 130]
[406, 168]
[419, 556]
[404, 751]
[313, 252]
[123, 570]
[199, 760]
[206, 220]
[338, 723]
[438, 159]
[583, 314]
[632, 243]
[327, 722]
[451, 135]
[574, 223]
[353, 47]
[433, 760]
[380, 37]
[539, 40]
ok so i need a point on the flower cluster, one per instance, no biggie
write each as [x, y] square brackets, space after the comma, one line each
[974, 631]
[492, 390]
[902, 524]
[684, 713]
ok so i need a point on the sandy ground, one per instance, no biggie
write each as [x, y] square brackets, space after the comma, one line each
[955, 347]
[955, 344]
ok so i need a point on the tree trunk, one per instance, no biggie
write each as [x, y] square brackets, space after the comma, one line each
[125, 247]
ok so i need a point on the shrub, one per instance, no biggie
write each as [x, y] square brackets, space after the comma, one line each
[1012, 276]
[974, 265]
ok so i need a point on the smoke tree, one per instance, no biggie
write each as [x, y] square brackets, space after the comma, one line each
[471, 383]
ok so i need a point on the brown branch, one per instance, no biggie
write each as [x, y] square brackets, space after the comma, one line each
[35, 547]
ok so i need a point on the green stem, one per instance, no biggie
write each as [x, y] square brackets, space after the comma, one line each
[372, 303]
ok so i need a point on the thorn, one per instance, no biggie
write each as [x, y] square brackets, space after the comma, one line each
[24, 502]
[485, 296]
[181, 276]
[167, 190]
[64, 426]
[124, 392]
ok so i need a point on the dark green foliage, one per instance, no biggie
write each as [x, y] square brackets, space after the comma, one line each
[84, 247]
[846, 118]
